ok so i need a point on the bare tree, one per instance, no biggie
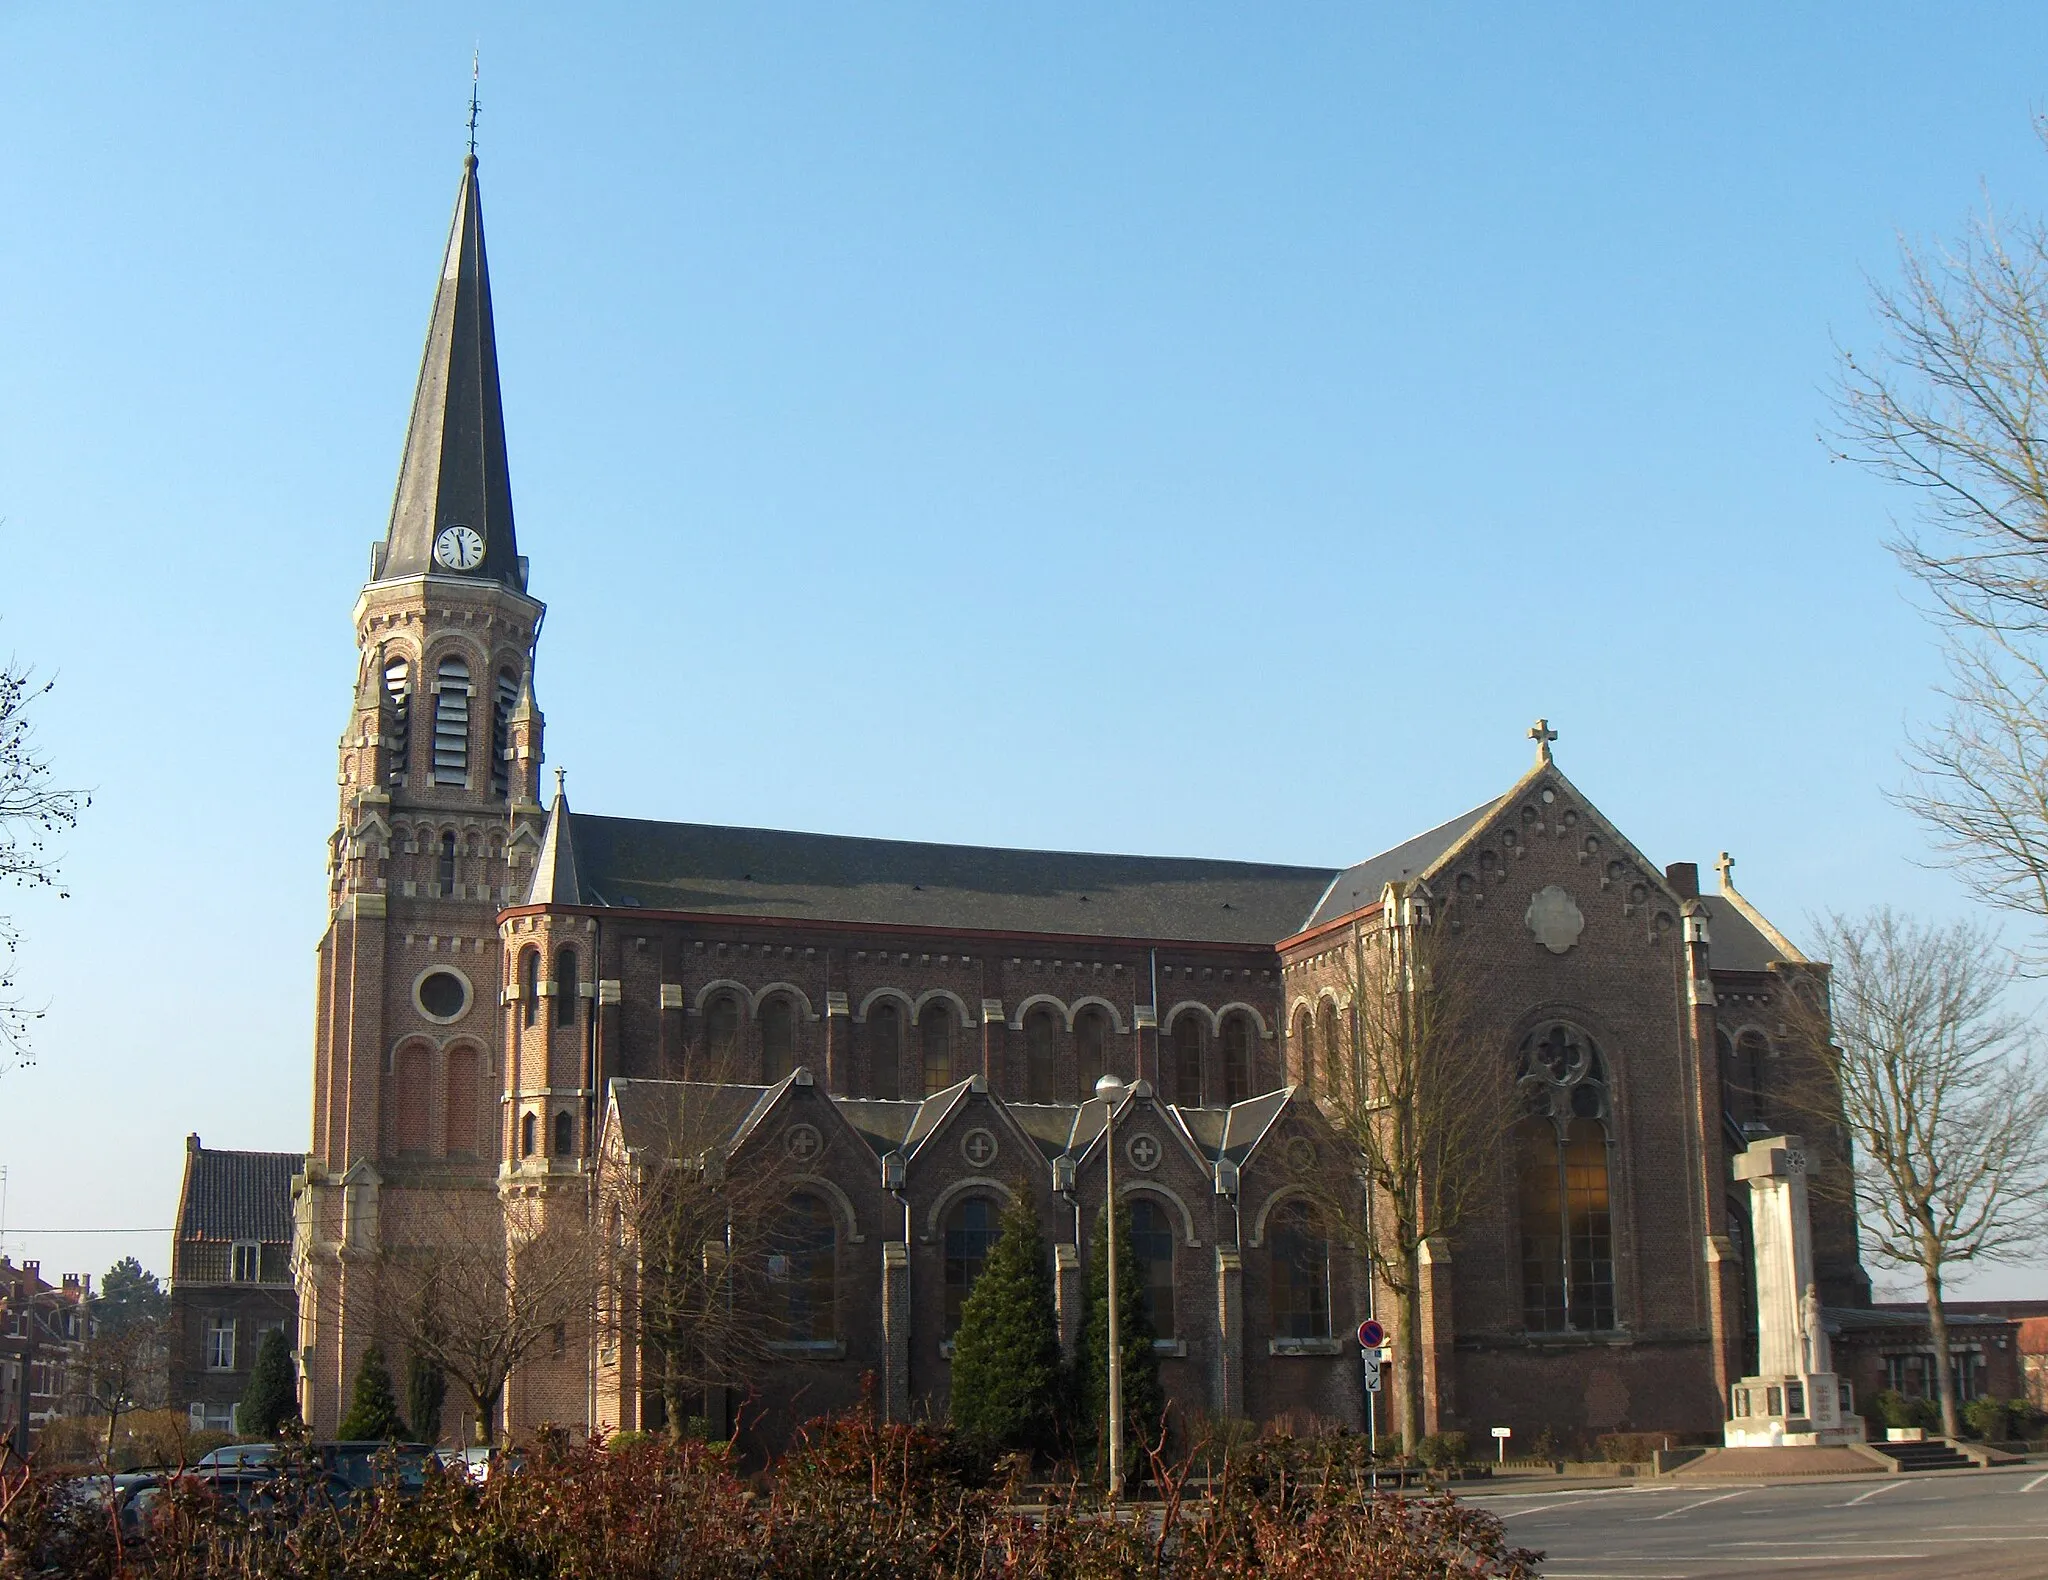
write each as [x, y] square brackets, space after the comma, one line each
[700, 1249]
[477, 1290]
[1424, 1098]
[118, 1368]
[1954, 407]
[1942, 1095]
[31, 811]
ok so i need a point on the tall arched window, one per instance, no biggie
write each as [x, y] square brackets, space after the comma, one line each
[529, 987]
[1330, 1044]
[1187, 1060]
[935, 1038]
[444, 870]
[1567, 1234]
[722, 1036]
[1091, 1048]
[1237, 1058]
[566, 996]
[1752, 1049]
[971, 1233]
[1300, 1254]
[458, 1124]
[802, 1272]
[565, 1133]
[885, 1049]
[528, 1138]
[410, 1097]
[398, 687]
[501, 733]
[1305, 1049]
[451, 722]
[1041, 1038]
[1152, 1240]
[778, 1037]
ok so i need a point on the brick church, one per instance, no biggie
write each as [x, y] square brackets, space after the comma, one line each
[513, 996]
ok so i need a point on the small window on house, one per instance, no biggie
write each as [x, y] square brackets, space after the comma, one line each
[529, 987]
[935, 1036]
[885, 1049]
[722, 1035]
[1152, 1240]
[565, 987]
[558, 1340]
[528, 1135]
[1041, 1036]
[1091, 1048]
[1187, 1060]
[398, 687]
[220, 1344]
[444, 870]
[451, 723]
[246, 1262]
[1237, 1059]
[971, 1233]
[565, 1133]
[501, 733]
[778, 1037]
[1301, 1272]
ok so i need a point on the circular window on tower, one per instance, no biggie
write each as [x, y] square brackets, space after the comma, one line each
[442, 994]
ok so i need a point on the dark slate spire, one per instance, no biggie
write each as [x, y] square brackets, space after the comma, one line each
[554, 873]
[454, 472]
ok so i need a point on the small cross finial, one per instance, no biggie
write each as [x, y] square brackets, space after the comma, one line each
[560, 775]
[475, 61]
[1726, 867]
[1542, 734]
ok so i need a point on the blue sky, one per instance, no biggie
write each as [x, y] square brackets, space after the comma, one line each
[1181, 427]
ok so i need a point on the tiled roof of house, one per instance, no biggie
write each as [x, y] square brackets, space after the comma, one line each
[237, 1195]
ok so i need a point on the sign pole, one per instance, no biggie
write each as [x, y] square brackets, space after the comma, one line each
[1370, 1337]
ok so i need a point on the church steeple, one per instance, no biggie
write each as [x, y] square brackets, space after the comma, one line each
[454, 473]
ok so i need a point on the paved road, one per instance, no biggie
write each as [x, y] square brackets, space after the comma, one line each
[1960, 1525]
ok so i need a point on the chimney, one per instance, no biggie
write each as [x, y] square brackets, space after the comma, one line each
[192, 1143]
[1684, 876]
[34, 1271]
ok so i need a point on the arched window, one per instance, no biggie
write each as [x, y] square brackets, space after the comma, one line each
[1041, 1037]
[458, 1125]
[1091, 1048]
[1187, 1060]
[935, 1037]
[398, 687]
[971, 1233]
[1152, 1240]
[778, 1037]
[529, 987]
[565, 1133]
[410, 1097]
[1330, 1044]
[566, 996]
[1305, 1049]
[1237, 1059]
[722, 1036]
[1752, 1049]
[885, 1049]
[528, 1139]
[444, 871]
[451, 723]
[1567, 1229]
[501, 733]
[802, 1268]
[1300, 1254]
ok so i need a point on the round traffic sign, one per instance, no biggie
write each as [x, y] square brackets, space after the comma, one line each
[1371, 1335]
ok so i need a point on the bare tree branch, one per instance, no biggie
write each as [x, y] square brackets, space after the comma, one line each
[31, 811]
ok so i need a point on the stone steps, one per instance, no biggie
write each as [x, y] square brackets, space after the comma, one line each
[1934, 1454]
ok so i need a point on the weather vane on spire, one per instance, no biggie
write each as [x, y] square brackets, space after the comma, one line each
[475, 60]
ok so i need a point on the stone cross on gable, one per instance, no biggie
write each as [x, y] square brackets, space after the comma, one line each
[1542, 734]
[1726, 867]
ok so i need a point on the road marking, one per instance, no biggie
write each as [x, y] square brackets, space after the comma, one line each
[2030, 1486]
[1673, 1514]
[1864, 1497]
[1541, 1508]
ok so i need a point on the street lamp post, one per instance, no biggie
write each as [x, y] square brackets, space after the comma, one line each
[1111, 1090]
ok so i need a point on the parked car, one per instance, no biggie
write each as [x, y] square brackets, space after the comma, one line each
[238, 1456]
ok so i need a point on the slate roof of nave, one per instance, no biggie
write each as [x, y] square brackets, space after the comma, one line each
[1359, 886]
[237, 1195]
[1738, 943]
[775, 874]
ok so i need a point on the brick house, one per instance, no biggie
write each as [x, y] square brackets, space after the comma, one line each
[512, 998]
[41, 1328]
[231, 1276]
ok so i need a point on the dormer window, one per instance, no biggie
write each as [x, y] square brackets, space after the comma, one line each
[245, 1264]
[451, 723]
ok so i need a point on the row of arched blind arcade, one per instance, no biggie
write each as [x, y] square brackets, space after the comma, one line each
[449, 754]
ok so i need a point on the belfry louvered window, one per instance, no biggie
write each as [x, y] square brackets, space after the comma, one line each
[451, 723]
[398, 687]
[501, 732]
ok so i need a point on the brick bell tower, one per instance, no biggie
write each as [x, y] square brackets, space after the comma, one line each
[439, 828]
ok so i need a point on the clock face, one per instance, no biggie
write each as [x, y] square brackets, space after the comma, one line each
[459, 549]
